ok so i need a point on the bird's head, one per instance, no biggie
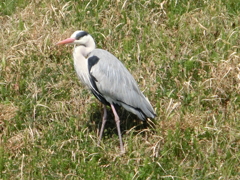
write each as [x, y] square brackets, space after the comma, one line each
[79, 38]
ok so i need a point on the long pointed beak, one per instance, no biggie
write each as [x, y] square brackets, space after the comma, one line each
[66, 41]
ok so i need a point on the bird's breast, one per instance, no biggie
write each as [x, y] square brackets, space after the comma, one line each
[81, 68]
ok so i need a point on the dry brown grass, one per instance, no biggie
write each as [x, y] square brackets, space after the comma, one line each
[7, 112]
[186, 62]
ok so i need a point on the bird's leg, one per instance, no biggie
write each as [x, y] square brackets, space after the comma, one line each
[117, 120]
[104, 119]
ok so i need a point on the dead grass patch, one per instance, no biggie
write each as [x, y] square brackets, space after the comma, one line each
[7, 112]
[22, 139]
[226, 77]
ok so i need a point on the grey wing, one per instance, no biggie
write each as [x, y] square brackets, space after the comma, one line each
[115, 83]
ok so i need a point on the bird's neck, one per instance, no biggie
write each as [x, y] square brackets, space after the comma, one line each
[82, 51]
[85, 50]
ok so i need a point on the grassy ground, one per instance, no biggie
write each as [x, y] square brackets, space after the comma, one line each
[185, 57]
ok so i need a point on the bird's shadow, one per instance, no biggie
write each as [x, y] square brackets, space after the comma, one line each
[128, 121]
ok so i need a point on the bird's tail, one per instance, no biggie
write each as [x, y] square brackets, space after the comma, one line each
[143, 110]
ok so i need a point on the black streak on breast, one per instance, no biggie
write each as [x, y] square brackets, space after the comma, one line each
[91, 62]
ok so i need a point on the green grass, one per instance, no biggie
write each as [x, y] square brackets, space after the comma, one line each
[185, 57]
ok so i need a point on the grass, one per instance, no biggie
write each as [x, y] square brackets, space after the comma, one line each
[185, 57]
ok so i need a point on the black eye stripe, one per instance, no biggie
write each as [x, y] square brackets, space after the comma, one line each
[81, 34]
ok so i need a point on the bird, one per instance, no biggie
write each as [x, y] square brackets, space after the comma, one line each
[108, 80]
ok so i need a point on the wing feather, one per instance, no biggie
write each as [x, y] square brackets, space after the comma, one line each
[117, 85]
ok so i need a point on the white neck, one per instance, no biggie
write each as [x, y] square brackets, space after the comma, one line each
[82, 50]
[80, 56]
[86, 48]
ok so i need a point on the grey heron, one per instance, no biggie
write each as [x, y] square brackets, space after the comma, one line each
[108, 79]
